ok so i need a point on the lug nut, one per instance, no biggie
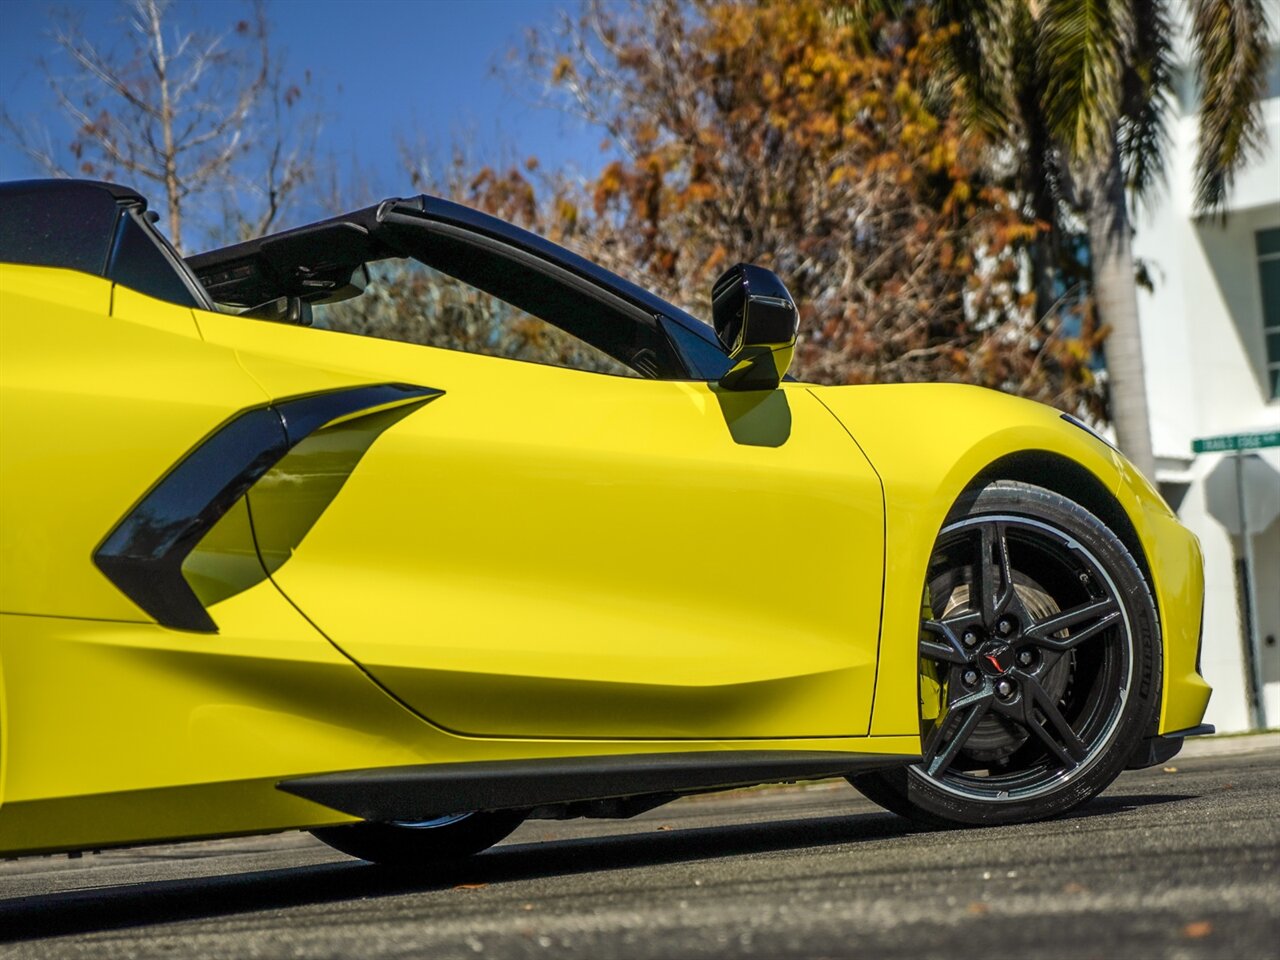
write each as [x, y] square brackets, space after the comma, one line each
[1004, 688]
[970, 677]
[1026, 657]
[1005, 627]
[969, 638]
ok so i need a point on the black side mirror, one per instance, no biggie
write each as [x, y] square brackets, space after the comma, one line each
[756, 321]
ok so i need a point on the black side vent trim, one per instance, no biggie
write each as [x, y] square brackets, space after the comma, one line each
[144, 552]
[418, 792]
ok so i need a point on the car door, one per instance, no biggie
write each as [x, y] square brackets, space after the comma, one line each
[559, 553]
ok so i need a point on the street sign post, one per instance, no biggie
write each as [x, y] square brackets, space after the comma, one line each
[1245, 522]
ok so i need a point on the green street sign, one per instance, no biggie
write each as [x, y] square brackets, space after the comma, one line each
[1239, 441]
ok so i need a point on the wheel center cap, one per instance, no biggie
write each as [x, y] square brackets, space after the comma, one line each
[995, 659]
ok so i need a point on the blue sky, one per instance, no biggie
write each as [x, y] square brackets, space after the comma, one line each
[420, 70]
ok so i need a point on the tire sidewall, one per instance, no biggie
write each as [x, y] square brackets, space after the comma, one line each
[911, 791]
[400, 845]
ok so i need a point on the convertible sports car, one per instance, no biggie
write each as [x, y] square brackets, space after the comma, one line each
[260, 575]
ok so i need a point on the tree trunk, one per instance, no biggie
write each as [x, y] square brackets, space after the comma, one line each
[1116, 295]
[160, 64]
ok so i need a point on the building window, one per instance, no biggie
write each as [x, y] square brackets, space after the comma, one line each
[1269, 279]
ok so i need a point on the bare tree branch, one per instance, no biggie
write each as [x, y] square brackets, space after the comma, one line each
[180, 109]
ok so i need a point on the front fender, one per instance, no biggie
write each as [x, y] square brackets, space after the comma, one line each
[928, 442]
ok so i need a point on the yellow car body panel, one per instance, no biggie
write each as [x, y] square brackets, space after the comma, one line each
[151, 734]
[534, 563]
[544, 552]
[101, 395]
[116, 730]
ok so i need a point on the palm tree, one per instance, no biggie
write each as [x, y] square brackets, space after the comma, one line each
[1083, 91]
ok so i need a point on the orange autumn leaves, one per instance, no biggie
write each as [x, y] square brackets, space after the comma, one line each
[823, 142]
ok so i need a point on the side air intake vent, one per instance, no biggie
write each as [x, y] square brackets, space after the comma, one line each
[144, 552]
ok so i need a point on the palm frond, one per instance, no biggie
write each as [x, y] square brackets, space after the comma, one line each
[1230, 41]
[981, 53]
[1083, 45]
[1147, 98]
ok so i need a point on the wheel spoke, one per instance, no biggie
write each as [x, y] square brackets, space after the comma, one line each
[970, 710]
[942, 652]
[995, 576]
[1104, 613]
[1066, 745]
[948, 648]
[993, 570]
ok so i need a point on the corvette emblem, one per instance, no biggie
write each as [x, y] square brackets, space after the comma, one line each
[997, 659]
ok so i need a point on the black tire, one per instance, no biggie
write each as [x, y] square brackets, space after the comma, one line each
[425, 842]
[1040, 647]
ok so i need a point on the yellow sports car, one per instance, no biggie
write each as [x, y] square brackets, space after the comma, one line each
[257, 574]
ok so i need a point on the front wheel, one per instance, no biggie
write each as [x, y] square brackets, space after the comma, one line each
[1039, 663]
[413, 843]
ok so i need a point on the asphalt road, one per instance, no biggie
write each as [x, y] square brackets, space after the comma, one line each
[1180, 862]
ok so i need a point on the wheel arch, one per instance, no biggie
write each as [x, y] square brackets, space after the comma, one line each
[981, 464]
[1067, 477]
[991, 436]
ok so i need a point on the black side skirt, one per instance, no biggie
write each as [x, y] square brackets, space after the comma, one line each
[431, 790]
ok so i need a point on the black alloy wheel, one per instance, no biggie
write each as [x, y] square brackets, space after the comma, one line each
[419, 843]
[1039, 663]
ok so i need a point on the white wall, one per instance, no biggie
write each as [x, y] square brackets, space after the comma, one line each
[1204, 350]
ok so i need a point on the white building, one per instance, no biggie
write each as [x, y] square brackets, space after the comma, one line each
[1211, 340]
